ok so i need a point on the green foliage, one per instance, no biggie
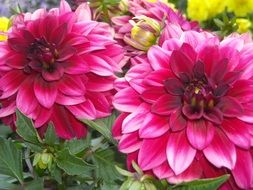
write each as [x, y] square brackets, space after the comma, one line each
[71, 164]
[207, 184]
[50, 136]
[10, 160]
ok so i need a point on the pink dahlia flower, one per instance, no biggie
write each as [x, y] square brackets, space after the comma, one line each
[144, 26]
[187, 109]
[58, 65]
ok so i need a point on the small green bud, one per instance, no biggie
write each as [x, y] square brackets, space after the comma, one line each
[43, 160]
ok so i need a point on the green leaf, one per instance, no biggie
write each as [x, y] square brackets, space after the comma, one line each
[10, 160]
[76, 146]
[34, 147]
[71, 164]
[5, 131]
[207, 184]
[101, 129]
[50, 136]
[37, 184]
[56, 174]
[105, 163]
[4, 185]
[25, 129]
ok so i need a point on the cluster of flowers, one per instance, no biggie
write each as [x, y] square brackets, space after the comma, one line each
[206, 10]
[185, 101]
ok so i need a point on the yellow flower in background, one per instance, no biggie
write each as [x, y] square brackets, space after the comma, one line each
[197, 10]
[240, 7]
[4, 26]
[243, 25]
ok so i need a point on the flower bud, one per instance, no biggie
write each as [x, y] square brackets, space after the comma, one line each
[43, 160]
[144, 33]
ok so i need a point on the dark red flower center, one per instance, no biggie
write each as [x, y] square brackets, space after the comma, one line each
[44, 53]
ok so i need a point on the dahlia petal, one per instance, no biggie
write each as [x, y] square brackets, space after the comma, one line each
[127, 100]
[130, 158]
[180, 154]
[242, 90]
[171, 44]
[191, 113]
[230, 107]
[166, 104]
[120, 84]
[200, 133]
[157, 77]
[26, 100]
[72, 86]
[85, 110]
[221, 151]
[64, 7]
[117, 126]
[158, 58]
[64, 99]
[237, 131]
[59, 34]
[180, 63]
[153, 126]
[101, 103]
[192, 173]
[16, 61]
[243, 170]
[98, 65]
[188, 50]
[163, 171]
[42, 116]
[10, 82]
[6, 111]
[76, 65]
[214, 115]
[134, 121]
[219, 70]
[53, 76]
[177, 121]
[129, 143]
[83, 12]
[174, 86]
[193, 38]
[152, 152]
[17, 44]
[45, 92]
[152, 94]
[99, 84]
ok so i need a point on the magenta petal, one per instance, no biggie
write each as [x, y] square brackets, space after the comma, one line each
[42, 116]
[200, 133]
[237, 131]
[166, 104]
[153, 126]
[16, 61]
[163, 171]
[64, 7]
[192, 173]
[191, 113]
[152, 152]
[55, 75]
[98, 66]
[129, 143]
[64, 99]
[26, 100]
[134, 121]
[10, 82]
[72, 86]
[230, 107]
[157, 77]
[243, 171]
[45, 92]
[152, 94]
[97, 83]
[180, 63]
[177, 121]
[174, 86]
[158, 57]
[75, 65]
[85, 110]
[83, 12]
[221, 151]
[180, 154]
[214, 115]
[127, 100]
[117, 126]
[6, 111]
